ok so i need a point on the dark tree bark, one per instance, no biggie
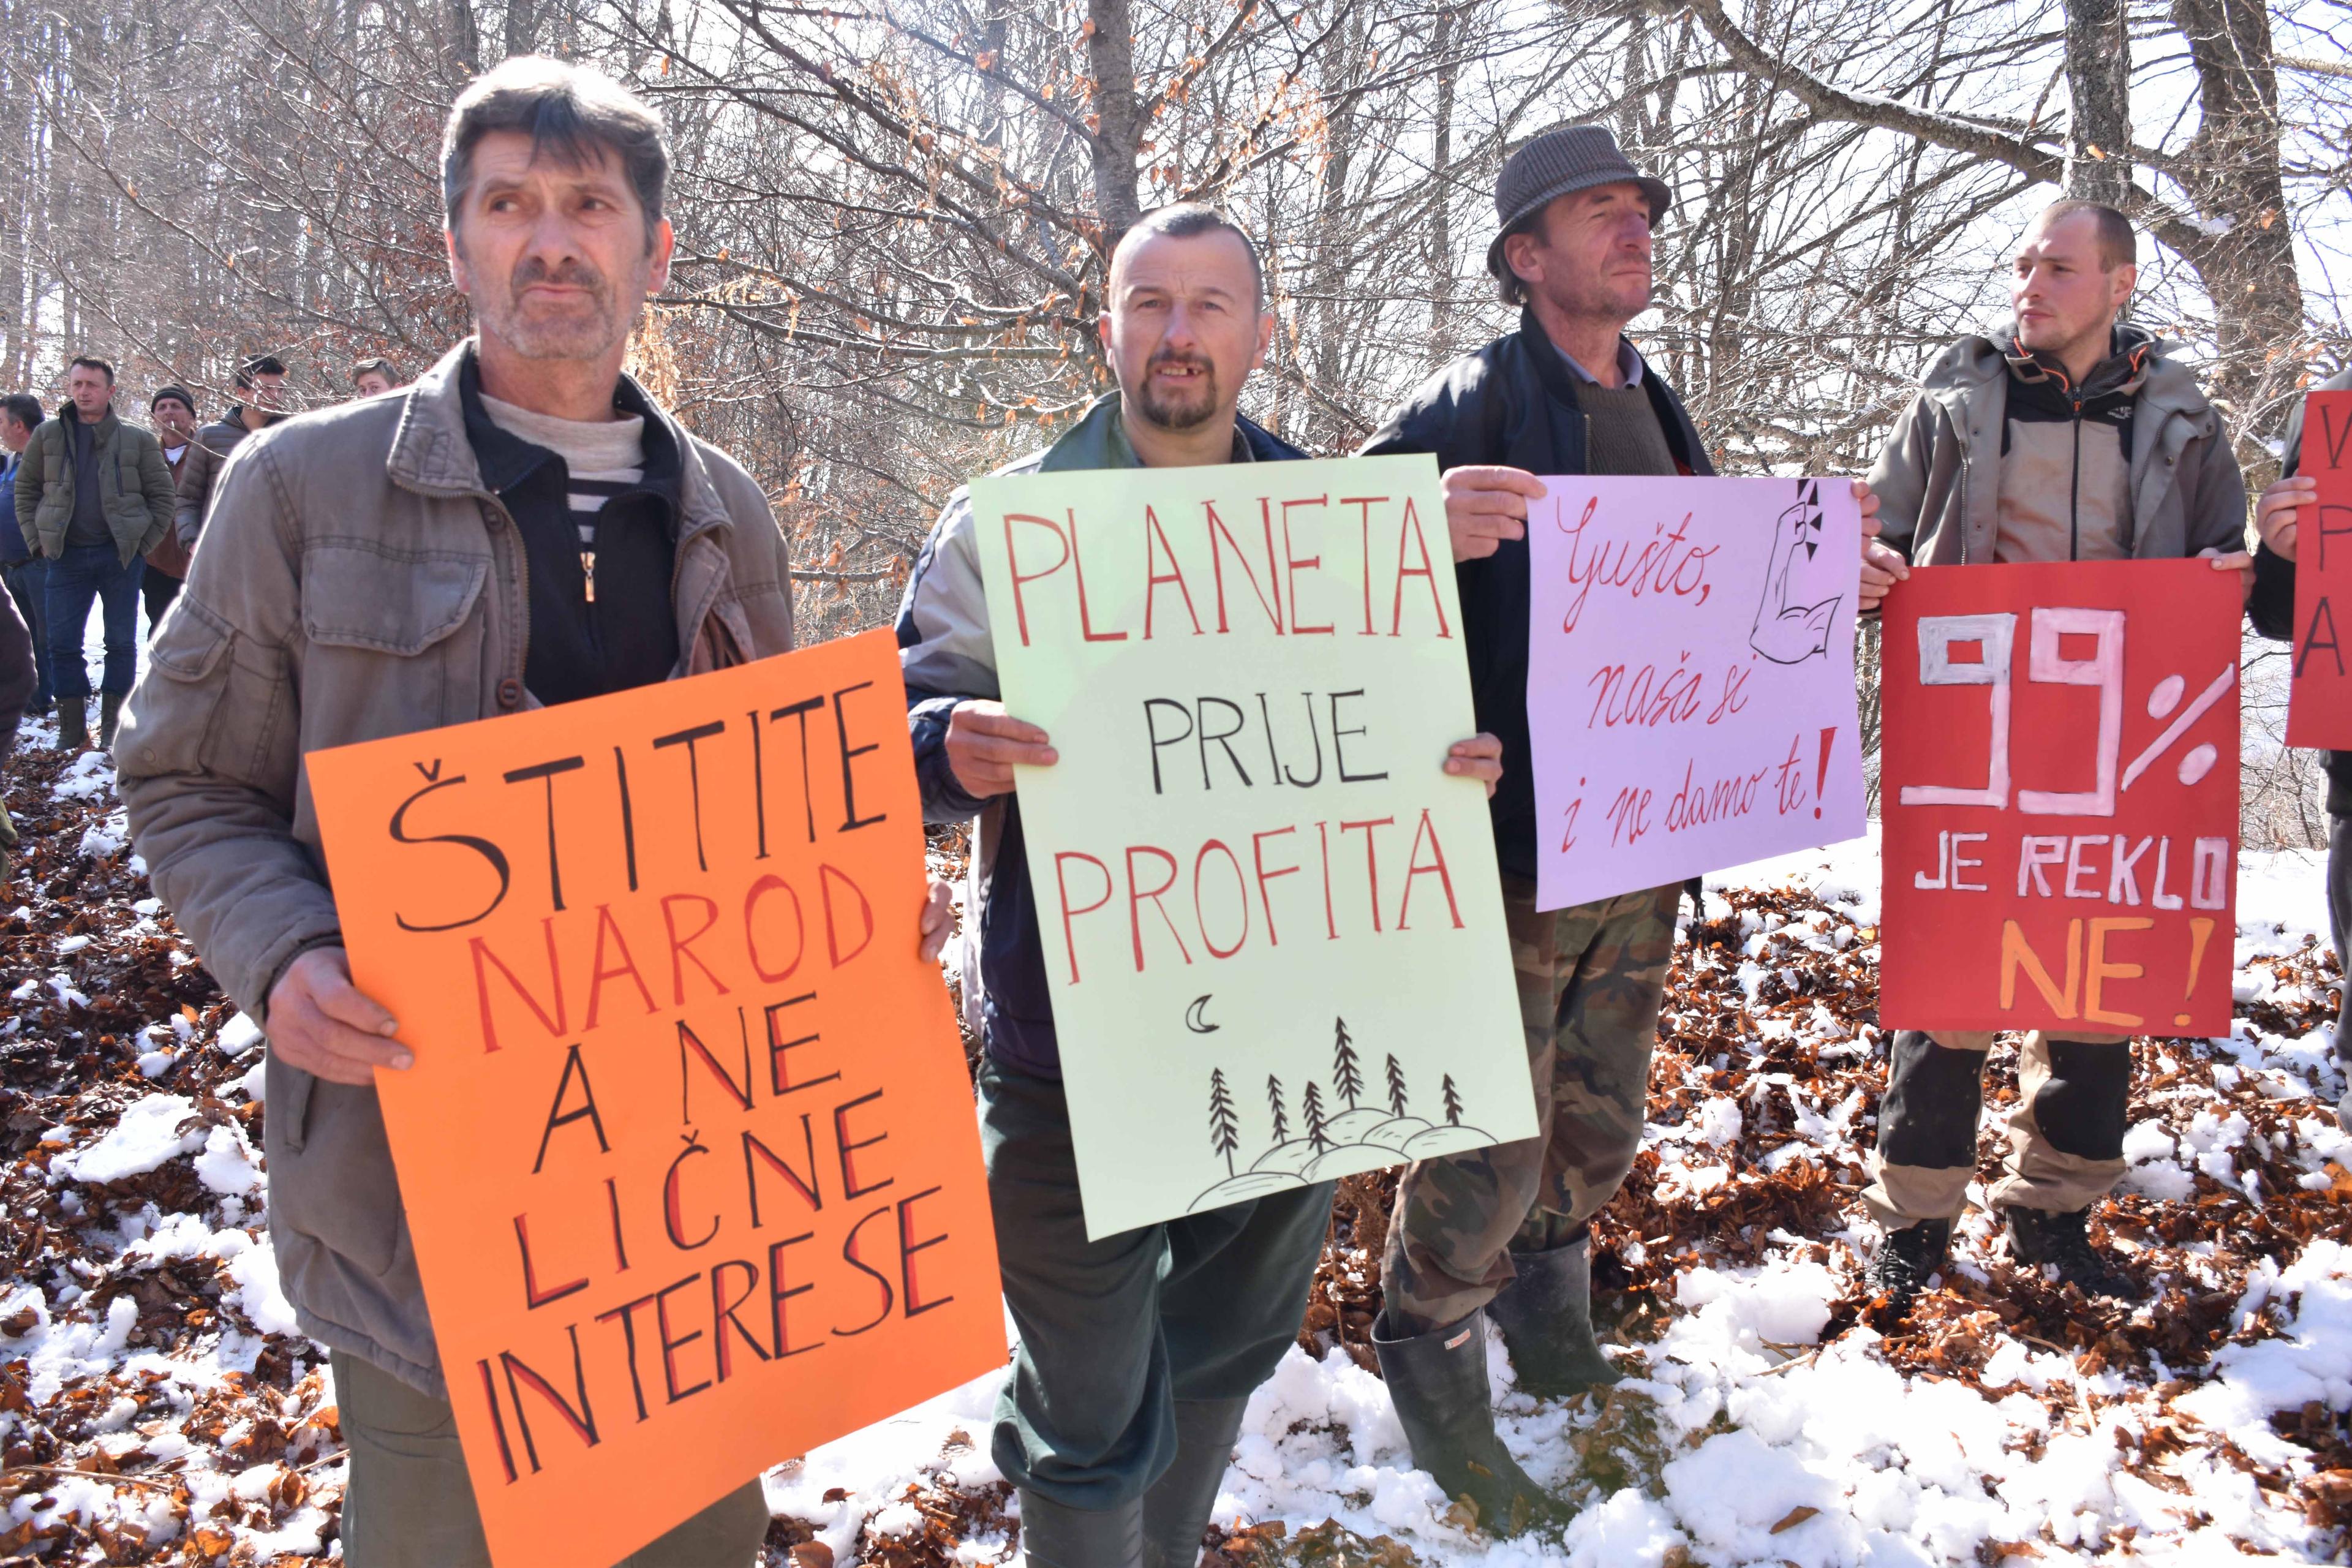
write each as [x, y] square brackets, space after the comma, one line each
[1117, 130]
[2098, 85]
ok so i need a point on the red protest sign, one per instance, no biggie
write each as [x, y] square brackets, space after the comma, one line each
[2059, 780]
[687, 1153]
[2319, 705]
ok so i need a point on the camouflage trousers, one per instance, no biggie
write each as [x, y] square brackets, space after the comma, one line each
[1590, 981]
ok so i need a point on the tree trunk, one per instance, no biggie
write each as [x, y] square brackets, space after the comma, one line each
[522, 29]
[1441, 203]
[2098, 84]
[1117, 128]
[2244, 250]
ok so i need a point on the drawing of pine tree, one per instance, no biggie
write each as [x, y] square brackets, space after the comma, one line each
[1396, 1087]
[1313, 1106]
[1346, 1082]
[1281, 1116]
[1224, 1135]
[1453, 1103]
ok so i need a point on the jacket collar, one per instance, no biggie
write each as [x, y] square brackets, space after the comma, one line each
[101, 428]
[2130, 352]
[1099, 440]
[432, 455]
[1979, 362]
[505, 460]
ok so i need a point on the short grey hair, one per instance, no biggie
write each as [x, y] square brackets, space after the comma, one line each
[568, 109]
[1183, 220]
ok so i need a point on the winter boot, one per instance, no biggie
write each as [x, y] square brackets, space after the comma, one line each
[1176, 1509]
[8, 841]
[1545, 1316]
[2062, 1240]
[73, 724]
[1904, 1260]
[109, 714]
[1439, 1383]
[1054, 1535]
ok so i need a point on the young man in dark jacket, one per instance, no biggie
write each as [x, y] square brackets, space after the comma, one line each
[1502, 1232]
[2272, 610]
[93, 496]
[1138, 1351]
[261, 392]
[2075, 435]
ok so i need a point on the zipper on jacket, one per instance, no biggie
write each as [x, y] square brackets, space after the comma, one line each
[2074, 491]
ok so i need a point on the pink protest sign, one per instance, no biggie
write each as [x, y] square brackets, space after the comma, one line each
[1690, 677]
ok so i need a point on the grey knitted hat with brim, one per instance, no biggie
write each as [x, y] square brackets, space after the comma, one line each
[1557, 164]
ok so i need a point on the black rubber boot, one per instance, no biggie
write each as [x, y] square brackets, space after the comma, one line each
[2062, 1240]
[73, 724]
[1438, 1381]
[1176, 1509]
[109, 714]
[1055, 1536]
[1545, 1316]
[1906, 1260]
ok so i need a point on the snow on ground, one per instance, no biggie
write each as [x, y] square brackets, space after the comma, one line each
[156, 1404]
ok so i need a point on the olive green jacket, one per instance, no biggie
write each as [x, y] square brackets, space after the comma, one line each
[134, 485]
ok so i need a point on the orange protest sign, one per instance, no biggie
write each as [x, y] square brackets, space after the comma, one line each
[688, 1150]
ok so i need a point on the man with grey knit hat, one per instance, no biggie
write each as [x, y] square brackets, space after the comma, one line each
[1502, 1232]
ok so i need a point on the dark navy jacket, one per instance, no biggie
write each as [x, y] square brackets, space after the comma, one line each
[1512, 402]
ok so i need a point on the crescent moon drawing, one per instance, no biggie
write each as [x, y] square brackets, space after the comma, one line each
[1195, 1021]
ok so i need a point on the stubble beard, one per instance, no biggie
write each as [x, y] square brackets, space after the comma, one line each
[584, 333]
[1170, 411]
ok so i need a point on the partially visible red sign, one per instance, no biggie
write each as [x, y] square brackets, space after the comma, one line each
[2059, 782]
[2319, 707]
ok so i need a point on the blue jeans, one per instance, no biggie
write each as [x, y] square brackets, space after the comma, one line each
[84, 573]
[28, 585]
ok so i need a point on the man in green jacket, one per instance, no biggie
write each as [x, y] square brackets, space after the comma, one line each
[93, 496]
[2075, 435]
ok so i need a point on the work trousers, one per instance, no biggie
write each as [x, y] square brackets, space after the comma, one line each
[28, 585]
[1590, 979]
[84, 574]
[408, 1503]
[2065, 1140]
[1114, 1332]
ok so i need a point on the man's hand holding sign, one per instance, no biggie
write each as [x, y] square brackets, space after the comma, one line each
[679, 1113]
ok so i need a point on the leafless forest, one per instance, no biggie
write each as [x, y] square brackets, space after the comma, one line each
[892, 213]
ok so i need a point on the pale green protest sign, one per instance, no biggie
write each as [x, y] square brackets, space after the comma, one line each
[1272, 922]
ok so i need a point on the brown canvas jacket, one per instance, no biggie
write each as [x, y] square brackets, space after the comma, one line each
[357, 581]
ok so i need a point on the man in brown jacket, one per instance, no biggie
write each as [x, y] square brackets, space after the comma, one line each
[172, 410]
[2073, 436]
[261, 387]
[401, 563]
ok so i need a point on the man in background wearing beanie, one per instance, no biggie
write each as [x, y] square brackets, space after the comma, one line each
[1504, 1230]
[172, 412]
